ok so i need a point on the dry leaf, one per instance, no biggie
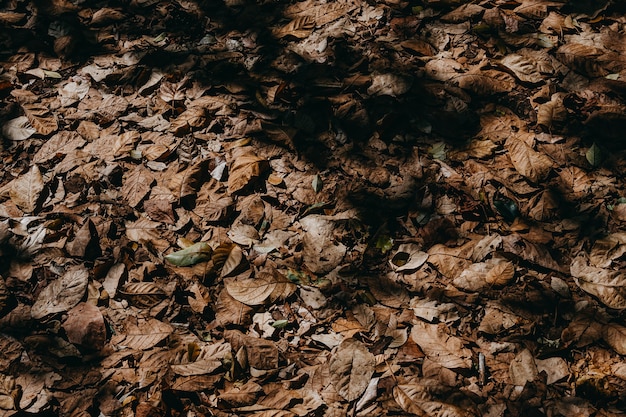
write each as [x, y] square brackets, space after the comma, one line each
[523, 368]
[351, 368]
[608, 285]
[144, 335]
[408, 257]
[40, 118]
[18, 129]
[26, 190]
[62, 294]
[533, 165]
[85, 326]
[245, 168]
[440, 347]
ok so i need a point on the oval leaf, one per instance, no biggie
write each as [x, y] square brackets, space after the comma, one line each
[62, 294]
[351, 368]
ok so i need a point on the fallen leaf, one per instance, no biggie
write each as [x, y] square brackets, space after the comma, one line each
[351, 368]
[62, 294]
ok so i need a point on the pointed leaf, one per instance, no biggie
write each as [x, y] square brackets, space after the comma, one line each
[196, 253]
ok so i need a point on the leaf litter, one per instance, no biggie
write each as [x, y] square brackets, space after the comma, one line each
[310, 208]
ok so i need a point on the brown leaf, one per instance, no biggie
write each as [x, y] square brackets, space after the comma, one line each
[446, 350]
[485, 82]
[26, 189]
[86, 243]
[351, 368]
[143, 294]
[245, 168]
[40, 118]
[144, 335]
[608, 285]
[85, 326]
[62, 294]
[137, 185]
[533, 165]
[58, 146]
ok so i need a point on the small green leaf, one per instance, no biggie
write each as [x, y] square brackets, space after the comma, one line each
[594, 155]
[438, 151]
[280, 324]
[196, 253]
[384, 243]
[317, 184]
[507, 208]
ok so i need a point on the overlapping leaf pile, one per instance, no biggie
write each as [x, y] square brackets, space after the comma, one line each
[310, 208]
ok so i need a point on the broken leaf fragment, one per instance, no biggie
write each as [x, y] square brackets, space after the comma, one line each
[191, 255]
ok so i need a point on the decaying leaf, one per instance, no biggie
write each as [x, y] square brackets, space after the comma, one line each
[351, 368]
[62, 294]
[615, 335]
[85, 326]
[523, 368]
[408, 257]
[533, 165]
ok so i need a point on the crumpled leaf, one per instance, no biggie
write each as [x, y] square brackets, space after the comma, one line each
[615, 335]
[608, 285]
[523, 368]
[389, 85]
[191, 255]
[351, 368]
[267, 286]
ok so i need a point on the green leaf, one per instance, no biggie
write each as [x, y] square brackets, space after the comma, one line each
[196, 253]
[438, 151]
[317, 184]
[594, 155]
[280, 324]
[507, 208]
[384, 243]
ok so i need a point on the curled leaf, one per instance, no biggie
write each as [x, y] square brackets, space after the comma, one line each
[196, 253]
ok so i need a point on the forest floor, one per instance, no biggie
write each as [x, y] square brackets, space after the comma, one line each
[313, 208]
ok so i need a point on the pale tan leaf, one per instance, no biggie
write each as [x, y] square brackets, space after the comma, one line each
[440, 347]
[533, 165]
[26, 189]
[321, 253]
[523, 368]
[200, 297]
[245, 168]
[191, 119]
[498, 318]
[40, 118]
[18, 129]
[552, 113]
[136, 185]
[251, 290]
[443, 69]
[431, 310]
[116, 275]
[62, 294]
[608, 285]
[530, 252]
[408, 257]
[536, 9]
[113, 106]
[351, 368]
[59, 145]
[185, 184]
[485, 82]
[109, 147]
[555, 368]
[321, 13]
[501, 273]
[145, 335]
[143, 230]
